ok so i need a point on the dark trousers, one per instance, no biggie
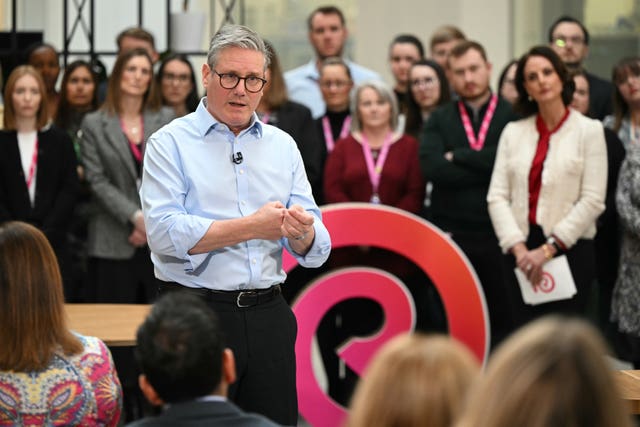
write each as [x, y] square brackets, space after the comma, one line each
[582, 263]
[128, 281]
[262, 338]
[485, 256]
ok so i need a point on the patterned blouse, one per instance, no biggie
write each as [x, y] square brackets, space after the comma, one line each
[79, 390]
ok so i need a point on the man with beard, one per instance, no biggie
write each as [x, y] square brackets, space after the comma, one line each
[569, 38]
[457, 152]
[328, 35]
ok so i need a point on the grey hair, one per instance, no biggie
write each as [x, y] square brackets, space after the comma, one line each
[384, 91]
[236, 36]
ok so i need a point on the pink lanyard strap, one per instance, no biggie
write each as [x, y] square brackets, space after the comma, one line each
[34, 164]
[477, 144]
[375, 170]
[328, 134]
[136, 149]
[265, 117]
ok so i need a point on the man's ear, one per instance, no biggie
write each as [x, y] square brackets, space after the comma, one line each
[228, 366]
[148, 391]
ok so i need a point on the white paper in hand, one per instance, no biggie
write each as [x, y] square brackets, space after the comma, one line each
[557, 283]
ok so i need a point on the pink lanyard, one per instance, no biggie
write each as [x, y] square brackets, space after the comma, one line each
[477, 144]
[136, 149]
[328, 134]
[34, 164]
[265, 117]
[375, 170]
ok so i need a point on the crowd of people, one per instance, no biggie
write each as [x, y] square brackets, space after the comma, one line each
[139, 187]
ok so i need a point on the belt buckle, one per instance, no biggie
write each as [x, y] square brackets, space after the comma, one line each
[243, 293]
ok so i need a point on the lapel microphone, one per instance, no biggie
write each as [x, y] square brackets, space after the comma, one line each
[237, 158]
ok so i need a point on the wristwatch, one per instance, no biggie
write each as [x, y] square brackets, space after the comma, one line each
[552, 241]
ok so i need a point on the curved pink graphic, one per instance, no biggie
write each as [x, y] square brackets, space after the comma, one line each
[414, 238]
[547, 284]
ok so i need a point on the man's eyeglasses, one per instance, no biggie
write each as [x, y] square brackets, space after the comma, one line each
[178, 78]
[562, 41]
[252, 84]
[339, 84]
[426, 82]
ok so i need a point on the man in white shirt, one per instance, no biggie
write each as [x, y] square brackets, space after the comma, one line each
[328, 35]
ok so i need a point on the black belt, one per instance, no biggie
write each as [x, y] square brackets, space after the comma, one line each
[242, 298]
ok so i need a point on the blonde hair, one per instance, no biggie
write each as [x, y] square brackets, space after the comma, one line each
[414, 380]
[551, 373]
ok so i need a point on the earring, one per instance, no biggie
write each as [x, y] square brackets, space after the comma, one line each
[529, 98]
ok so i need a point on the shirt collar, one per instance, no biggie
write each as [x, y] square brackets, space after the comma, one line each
[205, 122]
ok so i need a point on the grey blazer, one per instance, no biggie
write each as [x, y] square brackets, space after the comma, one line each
[111, 172]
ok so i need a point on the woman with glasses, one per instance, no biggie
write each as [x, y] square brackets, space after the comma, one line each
[177, 84]
[625, 120]
[113, 143]
[335, 84]
[276, 109]
[428, 89]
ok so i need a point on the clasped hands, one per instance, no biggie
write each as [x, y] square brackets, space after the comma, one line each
[530, 262]
[274, 221]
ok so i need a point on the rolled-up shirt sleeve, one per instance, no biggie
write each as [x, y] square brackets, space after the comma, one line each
[171, 230]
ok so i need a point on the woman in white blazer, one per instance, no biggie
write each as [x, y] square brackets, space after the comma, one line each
[548, 183]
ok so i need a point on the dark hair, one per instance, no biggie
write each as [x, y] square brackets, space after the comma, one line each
[528, 107]
[64, 115]
[179, 348]
[276, 95]
[136, 33]
[32, 314]
[35, 46]
[408, 38]
[414, 115]
[466, 45]
[335, 60]
[570, 19]
[503, 74]
[112, 102]
[192, 98]
[325, 10]
[620, 73]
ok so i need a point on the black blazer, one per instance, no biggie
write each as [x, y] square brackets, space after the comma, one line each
[56, 183]
[210, 414]
[600, 97]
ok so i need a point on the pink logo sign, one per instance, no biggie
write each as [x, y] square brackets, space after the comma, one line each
[412, 237]
[546, 285]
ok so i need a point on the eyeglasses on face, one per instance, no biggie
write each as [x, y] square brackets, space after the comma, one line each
[426, 82]
[178, 78]
[338, 84]
[562, 41]
[252, 84]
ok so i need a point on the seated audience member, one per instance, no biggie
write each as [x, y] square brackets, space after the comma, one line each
[607, 241]
[551, 373]
[276, 109]
[507, 82]
[336, 84]
[38, 177]
[78, 96]
[44, 58]
[414, 380]
[405, 49]
[177, 83]
[442, 42]
[569, 38]
[328, 34]
[428, 89]
[625, 120]
[185, 366]
[48, 375]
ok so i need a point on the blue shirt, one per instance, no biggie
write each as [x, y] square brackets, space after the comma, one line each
[303, 87]
[189, 181]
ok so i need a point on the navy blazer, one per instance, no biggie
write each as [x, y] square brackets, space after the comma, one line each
[207, 413]
[56, 183]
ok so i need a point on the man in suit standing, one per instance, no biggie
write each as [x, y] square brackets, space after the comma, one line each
[569, 38]
[186, 367]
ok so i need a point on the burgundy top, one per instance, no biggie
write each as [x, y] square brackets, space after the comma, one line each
[535, 173]
[346, 178]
